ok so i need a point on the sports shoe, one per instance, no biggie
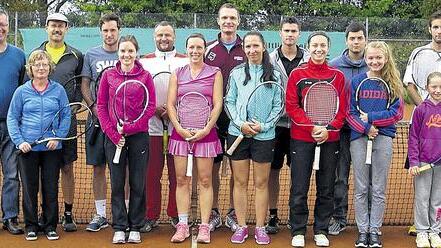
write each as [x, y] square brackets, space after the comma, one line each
[148, 226]
[231, 220]
[173, 221]
[412, 231]
[374, 240]
[240, 235]
[204, 234]
[298, 241]
[363, 240]
[261, 236]
[335, 227]
[97, 223]
[435, 240]
[119, 237]
[182, 232]
[134, 237]
[321, 240]
[215, 220]
[52, 235]
[31, 236]
[272, 227]
[422, 240]
[68, 223]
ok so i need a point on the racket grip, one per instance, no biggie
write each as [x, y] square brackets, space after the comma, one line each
[164, 142]
[224, 166]
[315, 164]
[189, 172]
[425, 167]
[117, 155]
[235, 144]
[369, 152]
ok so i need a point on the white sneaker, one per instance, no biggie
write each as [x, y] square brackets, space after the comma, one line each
[119, 237]
[435, 240]
[134, 237]
[298, 241]
[321, 240]
[422, 240]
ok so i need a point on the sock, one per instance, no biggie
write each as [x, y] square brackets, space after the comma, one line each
[183, 218]
[273, 211]
[100, 206]
[216, 210]
[127, 204]
[67, 208]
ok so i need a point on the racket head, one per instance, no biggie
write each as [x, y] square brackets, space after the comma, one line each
[424, 62]
[321, 103]
[130, 101]
[264, 92]
[94, 85]
[161, 80]
[193, 111]
[372, 94]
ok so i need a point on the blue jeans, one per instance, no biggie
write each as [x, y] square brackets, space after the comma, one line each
[11, 183]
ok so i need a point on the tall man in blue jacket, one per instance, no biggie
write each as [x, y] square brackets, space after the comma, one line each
[350, 62]
[12, 60]
[69, 63]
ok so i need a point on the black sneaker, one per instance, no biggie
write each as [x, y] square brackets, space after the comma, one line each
[363, 240]
[148, 226]
[31, 236]
[68, 223]
[272, 227]
[374, 240]
[174, 221]
[52, 235]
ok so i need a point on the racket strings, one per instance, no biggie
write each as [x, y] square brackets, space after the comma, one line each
[321, 104]
[372, 95]
[193, 112]
[425, 62]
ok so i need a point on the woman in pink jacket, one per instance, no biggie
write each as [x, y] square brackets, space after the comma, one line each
[132, 138]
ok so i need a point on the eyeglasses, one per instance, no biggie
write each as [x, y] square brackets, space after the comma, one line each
[41, 65]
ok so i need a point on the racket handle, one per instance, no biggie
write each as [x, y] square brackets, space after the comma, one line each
[369, 152]
[235, 144]
[189, 165]
[224, 166]
[315, 164]
[165, 142]
[425, 167]
[117, 155]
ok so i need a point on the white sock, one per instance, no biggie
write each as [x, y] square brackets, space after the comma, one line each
[100, 206]
[183, 218]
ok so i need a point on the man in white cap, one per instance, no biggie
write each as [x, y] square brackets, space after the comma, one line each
[69, 63]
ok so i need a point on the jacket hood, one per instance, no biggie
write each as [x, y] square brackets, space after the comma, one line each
[136, 70]
[346, 62]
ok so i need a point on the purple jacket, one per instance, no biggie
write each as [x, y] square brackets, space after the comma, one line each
[110, 81]
[425, 134]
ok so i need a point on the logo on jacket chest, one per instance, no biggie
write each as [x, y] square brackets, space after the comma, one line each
[434, 121]
[211, 56]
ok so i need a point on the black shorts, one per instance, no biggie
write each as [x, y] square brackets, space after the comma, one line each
[222, 134]
[281, 148]
[261, 151]
[95, 152]
[69, 147]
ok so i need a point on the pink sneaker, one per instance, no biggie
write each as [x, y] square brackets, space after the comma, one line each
[240, 235]
[261, 236]
[181, 233]
[204, 233]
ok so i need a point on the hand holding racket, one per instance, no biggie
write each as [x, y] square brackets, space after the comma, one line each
[321, 105]
[193, 112]
[255, 114]
[130, 103]
[51, 135]
[372, 95]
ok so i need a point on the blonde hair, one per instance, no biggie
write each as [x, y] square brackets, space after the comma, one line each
[389, 73]
[435, 74]
[36, 56]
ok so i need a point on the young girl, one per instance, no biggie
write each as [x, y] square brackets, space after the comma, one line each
[381, 126]
[424, 143]
[259, 146]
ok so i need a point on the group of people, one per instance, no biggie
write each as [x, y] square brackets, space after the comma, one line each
[225, 71]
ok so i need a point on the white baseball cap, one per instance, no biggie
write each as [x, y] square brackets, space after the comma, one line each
[57, 17]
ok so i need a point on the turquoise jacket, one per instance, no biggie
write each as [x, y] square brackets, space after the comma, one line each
[265, 107]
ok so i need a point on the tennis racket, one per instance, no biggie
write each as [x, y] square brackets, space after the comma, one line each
[130, 103]
[372, 95]
[94, 92]
[430, 166]
[424, 62]
[261, 94]
[321, 104]
[193, 114]
[77, 109]
[161, 80]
